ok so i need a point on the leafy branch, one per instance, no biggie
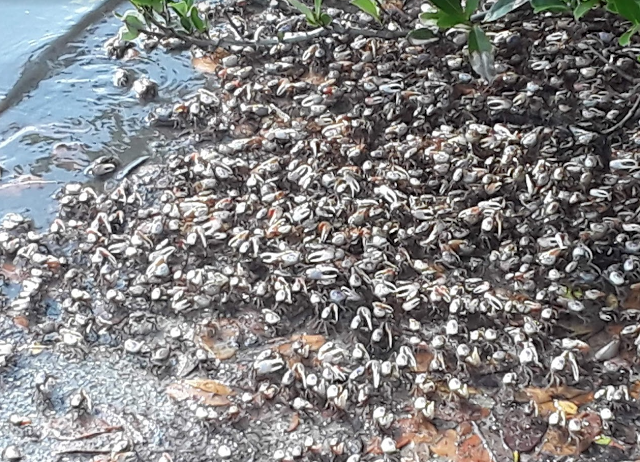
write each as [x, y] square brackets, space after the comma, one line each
[182, 20]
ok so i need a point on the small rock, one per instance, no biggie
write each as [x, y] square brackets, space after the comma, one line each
[145, 88]
[132, 346]
[175, 332]
[230, 61]
[224, 452]
[160, 355]
[388, 446]
[12, 453]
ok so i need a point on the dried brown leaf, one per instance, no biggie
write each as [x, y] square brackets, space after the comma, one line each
[570, 409]
[423, 360]
[472, 450]
[445, 446]
[21, 321]
[295, 421]
[521, 431]
[556, 443]
[210, 386]
[221, 341]
[414, 430]
[632, 300]
[544, 395]
[209, 64]
[373, 446]
[11, 273]
[183, 391]
[313, 341]
[460, 411]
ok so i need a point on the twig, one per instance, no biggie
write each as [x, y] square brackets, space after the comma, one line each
[625, 119]
[484, 441]
[233, 24]
[86, 436]
[87, 452]
[616, 68]
[382, 8]
[296, 37]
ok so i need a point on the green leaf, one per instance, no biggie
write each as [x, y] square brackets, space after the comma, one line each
[583, 8]
[450, 7]
[325, 19]
[133, 19]
[152, 3]
[628, 9]
[481, 52]
[470, 7]
[603, 440]
[368, 6]
[420, 36]
[502, 8]
[625, 38]
[317, 5]
[127, 34]
[181, 8]
[304, 9]
[552, 6]
[478, 41]
[443, 20]
[196, 20]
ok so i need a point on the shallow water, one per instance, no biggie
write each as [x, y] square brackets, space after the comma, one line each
[75, 114]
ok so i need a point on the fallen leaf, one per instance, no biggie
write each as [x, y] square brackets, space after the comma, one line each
[210, 386]
[221, 340]
[11, 273]
[423, 360]
[21, 321]
[22, 182]
[460, 411]
[183, 391]
[314, 342]
[210, 63]
[557, 443]
[37, 348]
[472, 450]
[591, 426]
[464, 429]
[414, 430]
[373, 446]
[632, 300]
[445, 446]
[70, 156]
[522, 432]
[295, 421]
[545, 409]
[575, 395]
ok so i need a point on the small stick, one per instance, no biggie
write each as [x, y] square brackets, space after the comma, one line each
[233, 24]
[625, 119]
[86, 436]
[619, 71]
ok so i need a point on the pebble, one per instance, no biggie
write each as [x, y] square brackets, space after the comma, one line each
[132, 346]
[388, 446]
[224, 452]
[161, 354]
[12, 453]
[230, 61]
